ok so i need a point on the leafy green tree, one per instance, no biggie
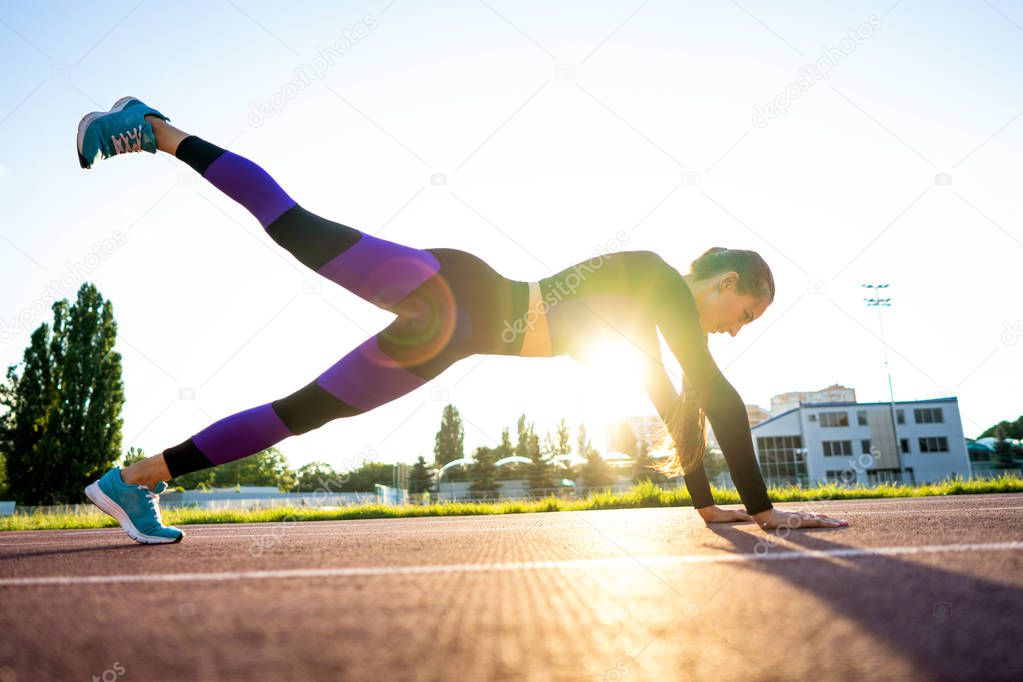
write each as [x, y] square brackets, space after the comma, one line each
[595, 472]
[196, 480]
[523, 429]
[364, 478]
[1003, 450]
[561, 444]
[538, 471]
[642, 464]
[3, 477]
[1009, 429]
[318, 477]
[506, 449]
[714, 463]
[563, 439]
[449, 443]
[268, 467]
[63, 422]
[133, 455]
[420, 479]
[483, 474]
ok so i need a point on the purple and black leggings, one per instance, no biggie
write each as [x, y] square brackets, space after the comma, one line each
[449, 304]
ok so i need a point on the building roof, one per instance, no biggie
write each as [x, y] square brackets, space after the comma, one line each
[850, 404]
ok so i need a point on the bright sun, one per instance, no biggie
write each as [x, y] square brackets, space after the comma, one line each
[615, 387]
[619, 362]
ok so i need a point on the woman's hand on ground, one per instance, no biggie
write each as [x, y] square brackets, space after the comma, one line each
[715, 514]
[776, 518]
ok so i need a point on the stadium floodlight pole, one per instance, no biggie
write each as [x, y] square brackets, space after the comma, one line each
[878, 303]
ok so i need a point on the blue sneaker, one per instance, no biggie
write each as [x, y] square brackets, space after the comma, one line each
[135, 507]
[123, 129]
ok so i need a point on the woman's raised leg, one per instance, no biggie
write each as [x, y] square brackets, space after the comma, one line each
[380, 271]
[400, 358]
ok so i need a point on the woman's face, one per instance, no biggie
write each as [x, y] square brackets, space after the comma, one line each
[724, 309]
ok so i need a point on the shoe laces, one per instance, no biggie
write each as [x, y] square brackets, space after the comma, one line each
[154, 502]
[128, 141]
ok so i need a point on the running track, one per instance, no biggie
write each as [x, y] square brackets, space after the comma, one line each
[914, 589]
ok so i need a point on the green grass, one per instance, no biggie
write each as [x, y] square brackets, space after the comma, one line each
[642, 495]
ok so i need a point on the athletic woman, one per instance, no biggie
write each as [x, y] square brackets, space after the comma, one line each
[449, 305]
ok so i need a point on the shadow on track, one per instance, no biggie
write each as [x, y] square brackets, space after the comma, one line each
[74, 550]
[949, 624]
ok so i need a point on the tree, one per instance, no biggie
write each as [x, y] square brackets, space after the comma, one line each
[538, 471]
[365, 477]
[318, 477]
[539, 474]
[63, 422]
[506, 449]
[3, 477]
[1003, 451]
[421, 478]
[595, 472]
[484, 474]
[268, 467]
[133, 455]
[642, 465]
[1009, 429]
[196, 480]
[714, 463]
[563, 443]
[449, 444]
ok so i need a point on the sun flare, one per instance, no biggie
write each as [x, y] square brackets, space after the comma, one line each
[616, 388]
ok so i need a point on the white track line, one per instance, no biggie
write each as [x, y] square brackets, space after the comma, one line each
[316, 530]
[611, 562]
[480, 519]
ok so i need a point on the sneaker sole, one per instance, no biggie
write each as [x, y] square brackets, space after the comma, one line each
[103, 501]
[83, 125]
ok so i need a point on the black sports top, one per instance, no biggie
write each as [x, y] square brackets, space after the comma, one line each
[628, 294]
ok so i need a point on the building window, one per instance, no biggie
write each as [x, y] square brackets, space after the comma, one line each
[875, 476]
[837, 448]
[865, 446]
[782, 460]
[904, 444]
[900, 417]
[834, 419]
[928, 415]
[841, 476]
[861, 417]
[934, 444]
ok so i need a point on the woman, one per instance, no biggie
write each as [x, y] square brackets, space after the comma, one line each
[450, 305]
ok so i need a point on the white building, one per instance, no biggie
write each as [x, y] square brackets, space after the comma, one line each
[855, 442]
[835, 393]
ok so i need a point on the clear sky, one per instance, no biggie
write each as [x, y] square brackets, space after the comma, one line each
[890, 156]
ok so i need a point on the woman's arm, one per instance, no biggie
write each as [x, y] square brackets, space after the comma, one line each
[676, 315]
[662, 394]
[666, 400]
[678, 319]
